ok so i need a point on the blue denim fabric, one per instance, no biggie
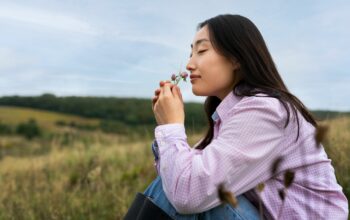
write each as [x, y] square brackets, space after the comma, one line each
[245, 210]
[155, 150]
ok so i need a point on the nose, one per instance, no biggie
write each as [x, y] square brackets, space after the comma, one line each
[190, 66]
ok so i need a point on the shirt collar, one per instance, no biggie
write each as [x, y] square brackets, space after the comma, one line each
[225, 106]
[215, 116]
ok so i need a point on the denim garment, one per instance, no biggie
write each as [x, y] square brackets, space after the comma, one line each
[244, 211]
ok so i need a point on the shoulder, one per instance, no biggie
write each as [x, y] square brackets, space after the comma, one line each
[260, 107]
[259, 100]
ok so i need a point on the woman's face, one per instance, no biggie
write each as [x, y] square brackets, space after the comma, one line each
[215, 70]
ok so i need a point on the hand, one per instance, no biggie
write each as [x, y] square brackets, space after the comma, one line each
[167, 104]
[157, 91]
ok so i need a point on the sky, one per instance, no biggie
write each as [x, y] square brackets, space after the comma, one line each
[125, 48]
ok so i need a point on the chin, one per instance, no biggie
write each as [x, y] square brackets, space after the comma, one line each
[197, 92]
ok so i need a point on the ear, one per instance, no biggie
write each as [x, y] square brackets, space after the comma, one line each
[235, 64]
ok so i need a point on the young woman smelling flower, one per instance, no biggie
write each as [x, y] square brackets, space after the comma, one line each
[254, 120]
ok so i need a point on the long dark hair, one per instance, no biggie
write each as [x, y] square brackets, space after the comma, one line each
[237, 38]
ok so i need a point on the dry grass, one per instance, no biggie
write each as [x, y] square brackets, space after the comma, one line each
[84, 181]
[337, 145]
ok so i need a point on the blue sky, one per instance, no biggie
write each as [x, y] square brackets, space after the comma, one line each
[124, 48]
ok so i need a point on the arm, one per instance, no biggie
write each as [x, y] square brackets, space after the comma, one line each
[240, 157]
[155, 151]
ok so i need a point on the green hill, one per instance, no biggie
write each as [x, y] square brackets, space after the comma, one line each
[131, 112]
[47, 120]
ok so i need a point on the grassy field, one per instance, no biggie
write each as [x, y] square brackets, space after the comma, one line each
[93, 175]
[46, 119]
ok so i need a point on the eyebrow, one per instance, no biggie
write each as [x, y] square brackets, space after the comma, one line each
[198, 42]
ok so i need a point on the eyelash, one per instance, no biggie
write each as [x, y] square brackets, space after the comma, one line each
[202, 51]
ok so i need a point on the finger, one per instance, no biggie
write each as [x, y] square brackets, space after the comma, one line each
[168, 83]
[179, 93]
[154, 101]
[166, 90]
[157, 92]
[163, 82]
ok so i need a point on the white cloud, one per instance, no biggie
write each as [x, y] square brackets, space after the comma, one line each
[9, 60]
[164, 41]
[79, 77]
[47, 19]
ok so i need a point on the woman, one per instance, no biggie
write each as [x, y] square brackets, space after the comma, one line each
[254, 122]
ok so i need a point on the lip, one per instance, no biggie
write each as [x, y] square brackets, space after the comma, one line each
[193, 76]
[193, 79]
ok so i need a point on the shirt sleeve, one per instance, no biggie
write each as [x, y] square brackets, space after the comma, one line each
[240, 157]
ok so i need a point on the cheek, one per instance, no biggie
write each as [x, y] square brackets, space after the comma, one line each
[215, 76]
[208, 67]
[215, 73]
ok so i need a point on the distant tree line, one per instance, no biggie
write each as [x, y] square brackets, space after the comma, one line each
[121, 114]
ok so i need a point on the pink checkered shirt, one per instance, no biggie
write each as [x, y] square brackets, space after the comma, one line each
[248, 137]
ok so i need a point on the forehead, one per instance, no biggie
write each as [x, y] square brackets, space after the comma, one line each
[201, 34]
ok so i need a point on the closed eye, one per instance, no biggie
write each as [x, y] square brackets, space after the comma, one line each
[202, 51]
